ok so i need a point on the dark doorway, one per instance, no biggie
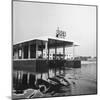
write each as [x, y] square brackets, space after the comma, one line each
[25, 51]
[33, 51]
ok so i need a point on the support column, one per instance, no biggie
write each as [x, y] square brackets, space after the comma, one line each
[42, 52]
[55, 72]
[28, 77]
[13, 54]
[55, 50]
[63, 52]
[36, 50]
[48, 51]
[46, 48]
[28, 51]
[17, 53]
[41, 75]
[22, 52]
[73, 52]
[21, 77]
[48, 74]
[42, 48]
[17, 81]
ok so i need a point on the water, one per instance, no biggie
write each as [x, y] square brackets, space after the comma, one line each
[82, 81]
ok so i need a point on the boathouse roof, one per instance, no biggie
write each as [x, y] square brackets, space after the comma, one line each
[46, 38]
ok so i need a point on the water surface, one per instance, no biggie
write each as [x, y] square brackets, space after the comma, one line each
[82, 81]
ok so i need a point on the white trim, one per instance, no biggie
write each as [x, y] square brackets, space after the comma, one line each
[45, 38]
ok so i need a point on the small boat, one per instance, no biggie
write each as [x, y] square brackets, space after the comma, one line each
[66, 80]
[61, 80]
[42, 82]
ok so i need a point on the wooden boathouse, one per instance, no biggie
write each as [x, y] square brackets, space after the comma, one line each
[34, 55]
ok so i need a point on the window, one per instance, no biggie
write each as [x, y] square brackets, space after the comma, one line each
[20, 52]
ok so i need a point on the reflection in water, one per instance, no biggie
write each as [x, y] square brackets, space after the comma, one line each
[53, 82]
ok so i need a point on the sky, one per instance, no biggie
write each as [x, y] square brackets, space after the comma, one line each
[32, 20]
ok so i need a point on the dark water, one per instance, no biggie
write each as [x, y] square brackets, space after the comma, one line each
[82, 81]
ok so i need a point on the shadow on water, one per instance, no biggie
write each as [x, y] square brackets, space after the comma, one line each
[56, 81]
[23, 80]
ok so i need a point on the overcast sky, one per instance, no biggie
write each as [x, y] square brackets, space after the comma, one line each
[31, 20]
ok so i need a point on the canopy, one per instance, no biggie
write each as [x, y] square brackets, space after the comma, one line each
[52, 41]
